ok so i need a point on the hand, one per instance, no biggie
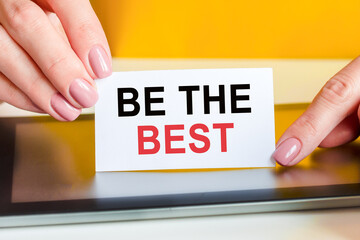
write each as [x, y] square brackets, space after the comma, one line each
[50, 52]
[332, 119]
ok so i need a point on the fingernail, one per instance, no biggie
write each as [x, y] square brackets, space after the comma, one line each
[100, 62]
[287, 151]
[85, 94]
[64, 108]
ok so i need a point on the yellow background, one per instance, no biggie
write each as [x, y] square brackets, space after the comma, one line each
[231, 28]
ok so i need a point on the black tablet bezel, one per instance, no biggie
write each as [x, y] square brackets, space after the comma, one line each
[7, 208]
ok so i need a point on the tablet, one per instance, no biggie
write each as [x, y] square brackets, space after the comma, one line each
[47, 176]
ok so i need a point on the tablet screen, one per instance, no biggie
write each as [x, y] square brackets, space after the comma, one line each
[48, 166]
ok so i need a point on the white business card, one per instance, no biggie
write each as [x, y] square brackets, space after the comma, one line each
[185, 119]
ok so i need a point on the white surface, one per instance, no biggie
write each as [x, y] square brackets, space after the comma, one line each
[117, 138]
[126, 184]
[330, 224]
[295, 80]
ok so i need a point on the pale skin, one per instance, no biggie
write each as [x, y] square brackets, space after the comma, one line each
[51, 51]
[332, 119]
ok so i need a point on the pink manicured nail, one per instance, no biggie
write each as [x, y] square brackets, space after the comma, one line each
[85, 94]
[287, 151]
[100, 62]
[64, 108]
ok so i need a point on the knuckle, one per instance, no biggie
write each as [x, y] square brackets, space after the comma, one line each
[339, 89]
[31, 87]
[55, 64]
[307, 123]
[87, 30]
[22, 15]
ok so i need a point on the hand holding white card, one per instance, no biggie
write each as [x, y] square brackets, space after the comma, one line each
[185, 119]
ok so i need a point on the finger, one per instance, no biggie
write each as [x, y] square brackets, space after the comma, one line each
[16, 65]
[86, 35]
[28, 24]
[335, 101]
[345, 132]
[14, 96]
[55, 21]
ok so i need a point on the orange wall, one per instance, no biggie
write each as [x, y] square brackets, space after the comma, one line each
[231, 28]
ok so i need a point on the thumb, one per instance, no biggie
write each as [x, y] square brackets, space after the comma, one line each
[337, 100]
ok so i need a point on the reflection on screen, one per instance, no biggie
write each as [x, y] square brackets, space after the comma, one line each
[55, 161]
